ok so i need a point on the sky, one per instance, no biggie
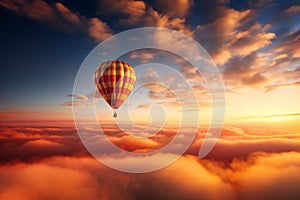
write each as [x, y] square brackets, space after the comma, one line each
[254, 45]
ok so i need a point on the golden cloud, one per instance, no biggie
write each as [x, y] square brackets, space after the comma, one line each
[261, 176]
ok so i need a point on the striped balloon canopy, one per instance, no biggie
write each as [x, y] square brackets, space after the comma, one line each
[115, 80]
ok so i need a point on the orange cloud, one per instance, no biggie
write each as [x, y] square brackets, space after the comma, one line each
[254, 38]
[219, 32]
[135, 10]
[154, 18]
[227, 38]
[174, 8]
[68, 14]
[293, 9]
[82, 100]
[99, 30]
[31, 182]
[13, 114]
[233, 38]
[131, 10]
[261, 176]
[27, 143]
[244, 71]
[272, 176]
[275, 86]
[242, 165]
[35, 142]
[134, 144]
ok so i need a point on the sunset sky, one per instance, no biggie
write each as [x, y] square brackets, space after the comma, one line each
[255, 45]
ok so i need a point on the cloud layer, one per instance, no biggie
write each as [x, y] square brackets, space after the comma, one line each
[246, 163]
[261, 176]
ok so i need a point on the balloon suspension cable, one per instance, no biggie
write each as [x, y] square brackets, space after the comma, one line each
[115, 114]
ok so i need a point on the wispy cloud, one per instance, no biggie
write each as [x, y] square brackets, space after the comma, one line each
[98, 29]
[144, 57]
[275, 86]
[131, 11]
[82, 100]
[271, 116]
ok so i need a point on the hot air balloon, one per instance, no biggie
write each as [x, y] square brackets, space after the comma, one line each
[115, 80]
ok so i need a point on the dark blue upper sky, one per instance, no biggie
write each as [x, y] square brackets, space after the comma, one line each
[38, 62]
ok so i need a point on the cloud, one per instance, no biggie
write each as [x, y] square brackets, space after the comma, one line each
[75, 103]
[128, 12]
[224, 150]
[144, 57]
[156, 87]
[33, 142]
[233, 34]
[245, 71]
[177, 8]
[159, 92]
[16, 113]
[96, 181]
[271, 116]
[289, 47]
[293, 9]
[13, 114]
[59, 16]
[284, 17]
[260, 3]
[191, 73]
[82, 100]
[98, 29]
[252, 39]
[68, 14]
[275, 86]
[248, 140]
[36, 9]
[36, 142]
[284, 67]
[247, 163]
[217, 36]
[250, 53]
[135, 10]
[150, 75]
[140, 14]
[30, 178]
[261, 176]
[79, 96]
[279, 174]
[165, 21]
[134, 144]
[174, 93]
[144, 106]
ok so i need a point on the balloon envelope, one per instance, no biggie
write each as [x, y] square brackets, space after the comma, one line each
[115, 80]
